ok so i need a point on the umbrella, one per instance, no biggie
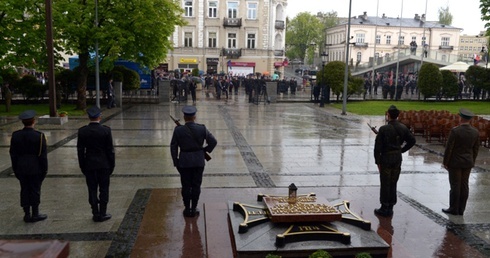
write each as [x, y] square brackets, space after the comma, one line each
[266, 73]
[456, 67]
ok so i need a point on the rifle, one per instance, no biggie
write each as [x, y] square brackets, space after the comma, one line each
[373, 128]
[176, 121]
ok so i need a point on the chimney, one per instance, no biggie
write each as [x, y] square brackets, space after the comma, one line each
[417, 17]
[423, 17]
[384, 16]
[364, 16]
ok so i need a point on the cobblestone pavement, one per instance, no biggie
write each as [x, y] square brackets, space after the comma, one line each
[260, 147]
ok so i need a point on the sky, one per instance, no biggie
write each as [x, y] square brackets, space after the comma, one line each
[466, 13]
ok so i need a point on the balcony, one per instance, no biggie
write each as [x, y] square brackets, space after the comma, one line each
[446, 47]
[279, 52]
[279, 25]
[232, 52]
[361, 44]
[232, 22]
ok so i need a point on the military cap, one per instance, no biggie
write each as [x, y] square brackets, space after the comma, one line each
[465, 113]
[93, 112]
[393, 108]
[28, 114]
[189, 110]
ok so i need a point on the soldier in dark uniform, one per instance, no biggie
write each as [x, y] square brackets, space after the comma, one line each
[189, 160]
[392, 140]
[96, 159]
[459, 157]
[29, 157]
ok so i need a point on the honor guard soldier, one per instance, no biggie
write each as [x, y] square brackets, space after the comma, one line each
[189, 160]
[96, 159]
[28, 153]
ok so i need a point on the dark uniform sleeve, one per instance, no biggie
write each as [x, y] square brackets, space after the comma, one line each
[81, 150]
[43, 156]
[174, 148]
[111, 155]
[409, 140]
[210, 141]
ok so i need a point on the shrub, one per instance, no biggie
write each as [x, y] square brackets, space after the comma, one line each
[363, 255]
[30, 87]
[65, 83]
[131, 79]
[450, 86]
[117, 76]
[320, 254]
[430, 80]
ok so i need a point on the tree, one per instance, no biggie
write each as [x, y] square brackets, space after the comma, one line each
[429, 80]
[478, 77]
[328, 20]
[135, 30]
[302, 35]
[445, 17]
[450, 86]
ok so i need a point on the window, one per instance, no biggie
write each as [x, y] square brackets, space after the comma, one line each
[188, 39]
[231, 40]
[414, 38]
[424, 39]
[251, 41]
[188, 8]
[358, 56]
[388, 39]
[378, 39]
[212, 9]
[212, 39]
[401, 40]
[360, 38]
[232, 9]
[252, 11]
[445, 41]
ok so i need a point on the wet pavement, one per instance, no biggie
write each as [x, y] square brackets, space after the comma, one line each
[261, 149]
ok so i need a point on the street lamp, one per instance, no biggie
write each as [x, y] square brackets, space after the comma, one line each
[324, 59]
[324, 88]
[346, 71]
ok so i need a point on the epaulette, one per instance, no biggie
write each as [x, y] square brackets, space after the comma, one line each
[200, 124]
[106, 126]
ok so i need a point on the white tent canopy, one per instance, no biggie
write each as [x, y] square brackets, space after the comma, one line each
[456, 67]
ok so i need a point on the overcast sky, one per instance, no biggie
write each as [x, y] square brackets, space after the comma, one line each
[466, 13]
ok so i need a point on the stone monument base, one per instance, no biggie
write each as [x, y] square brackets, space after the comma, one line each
[254, 235]
[47, 120]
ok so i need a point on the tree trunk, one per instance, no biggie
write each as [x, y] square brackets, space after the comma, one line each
[82, 81]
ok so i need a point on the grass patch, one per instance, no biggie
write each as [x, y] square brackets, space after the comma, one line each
[380, 107]
[41, 109]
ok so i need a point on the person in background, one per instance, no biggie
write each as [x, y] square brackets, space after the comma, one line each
[96, 158]
[459, 157]
[110, 95]
[28, 153]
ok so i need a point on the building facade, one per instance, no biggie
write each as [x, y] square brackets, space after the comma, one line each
[231, 36]
[374, 40]
[473, 47]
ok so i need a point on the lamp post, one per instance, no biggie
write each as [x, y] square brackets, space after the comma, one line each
[346, 72]
[97, 78]
[324, 84]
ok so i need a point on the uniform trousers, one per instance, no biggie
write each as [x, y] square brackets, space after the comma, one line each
[458, 195]
[30, 189]
[98, 181]
[191, 180]
[388, 178]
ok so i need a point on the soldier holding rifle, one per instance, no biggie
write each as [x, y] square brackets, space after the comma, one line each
[189, 160]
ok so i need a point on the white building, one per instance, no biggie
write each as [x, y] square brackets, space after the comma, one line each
[375, 38]
[240, 37]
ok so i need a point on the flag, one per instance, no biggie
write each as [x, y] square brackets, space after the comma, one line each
[285, 62]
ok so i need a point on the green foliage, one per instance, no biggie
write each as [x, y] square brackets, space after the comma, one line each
[117, 76]
[131, 79]
[430, 80]
[363, 255]
[9, 75]
[65, 83]
[320, 254]
[195, 72]
[445, 17]
[478, 76]
[303, 31]
[333, 75]
[30, 87]
[450, 86]
[272, 256]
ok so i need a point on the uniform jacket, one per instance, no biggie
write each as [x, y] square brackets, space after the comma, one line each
[95, 148]
[388, 147]
[28, 152]
[462, 147]
[191, 153]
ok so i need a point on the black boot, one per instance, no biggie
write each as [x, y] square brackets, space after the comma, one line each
[195, 211]
[103, 216]
[95, 213]
[384, 211]
[36, 216]
[187, 210]
[27, 214]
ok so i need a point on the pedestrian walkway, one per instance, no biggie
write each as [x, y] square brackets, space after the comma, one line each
[261, 149]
